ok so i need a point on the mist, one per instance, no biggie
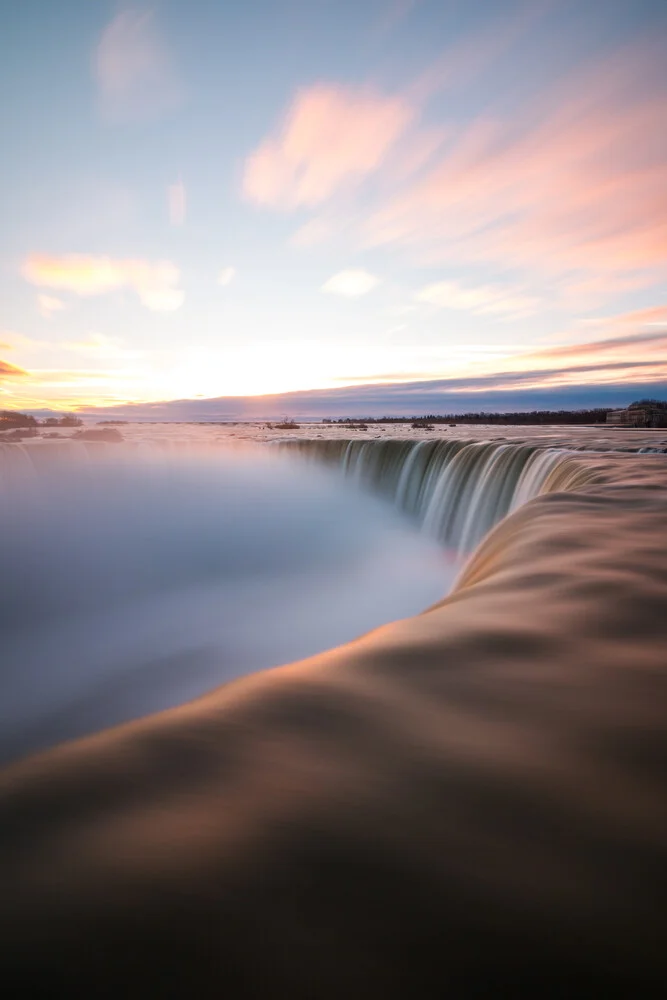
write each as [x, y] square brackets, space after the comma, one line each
[132, 583]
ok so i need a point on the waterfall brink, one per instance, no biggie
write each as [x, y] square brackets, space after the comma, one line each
[469, 802]
[457, 490]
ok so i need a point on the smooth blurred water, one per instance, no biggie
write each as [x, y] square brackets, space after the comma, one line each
[134, 583]
[456, 489]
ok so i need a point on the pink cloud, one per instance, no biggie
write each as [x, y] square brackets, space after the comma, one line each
[468, 57]
[637, 319]
[418, 153]
[332, 137]
[48, 305]
[575, 184]
[568, 188]
[133, 67]
[636, 339]
[154, 282]
[394, 13]
[177, 203]
[481, 300]
[315, 231]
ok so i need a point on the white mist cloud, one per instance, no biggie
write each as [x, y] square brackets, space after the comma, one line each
[351, 283]
[177, 203]
[481, 300]
[226, 276]
[133, 68]
[48, 305]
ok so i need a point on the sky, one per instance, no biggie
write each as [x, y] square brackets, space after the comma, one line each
[370, 205]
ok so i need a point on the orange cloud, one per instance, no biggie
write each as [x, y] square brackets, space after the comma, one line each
[332, 136]
[10, 371]
[154, 282]
[133, 67]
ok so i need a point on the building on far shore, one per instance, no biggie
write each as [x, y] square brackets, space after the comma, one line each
[643, 413]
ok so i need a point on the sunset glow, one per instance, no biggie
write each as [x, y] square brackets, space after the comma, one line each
[384, 194]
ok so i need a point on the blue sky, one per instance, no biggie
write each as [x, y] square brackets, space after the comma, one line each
[213, 199]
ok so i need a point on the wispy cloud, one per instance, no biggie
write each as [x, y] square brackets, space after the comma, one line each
[177, 203]
[103, 347]
[573, 184]
[155, 282]
[566, 187]
[226, 276]
[332, 136]
[19, 342]
[134, 69]
[481, 300]
[393, 14]
[628, 359]
[351, 284]
[70, 389]
[647, 345]
[636, 319]
[468, 57]
[48, 305]
[315, 231]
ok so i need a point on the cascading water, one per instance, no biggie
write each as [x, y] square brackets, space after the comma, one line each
[456, 490]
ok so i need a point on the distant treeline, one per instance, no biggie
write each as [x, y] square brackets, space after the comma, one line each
[597, 416]
[11, 420]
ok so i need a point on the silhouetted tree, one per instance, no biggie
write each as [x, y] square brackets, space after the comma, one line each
[11, 419]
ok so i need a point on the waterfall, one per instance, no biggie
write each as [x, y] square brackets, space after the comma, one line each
[456, 490]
